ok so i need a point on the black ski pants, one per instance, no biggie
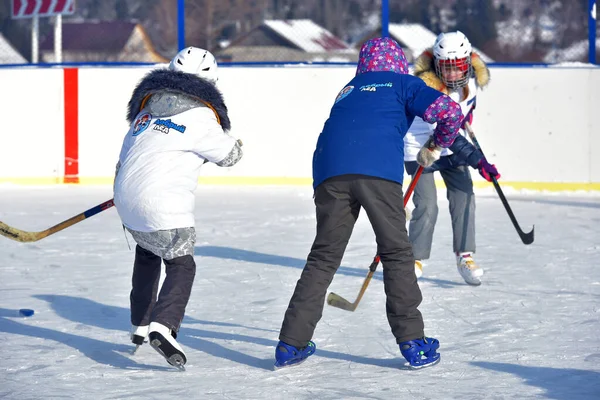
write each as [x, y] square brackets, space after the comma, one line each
[338, 202]
[169, 308]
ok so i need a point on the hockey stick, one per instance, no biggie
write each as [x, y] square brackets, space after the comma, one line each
[338, 301]
[24, 236]
[526, 237]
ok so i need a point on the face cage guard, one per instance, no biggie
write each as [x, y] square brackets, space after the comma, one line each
[462, 64]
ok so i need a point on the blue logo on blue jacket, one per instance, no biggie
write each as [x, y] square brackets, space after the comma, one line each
[163, 125]
[373, 86]
[344, 93]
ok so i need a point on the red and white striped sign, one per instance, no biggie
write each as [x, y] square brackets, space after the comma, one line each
[41, 8]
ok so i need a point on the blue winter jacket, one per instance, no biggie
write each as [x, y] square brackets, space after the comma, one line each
[364, 133]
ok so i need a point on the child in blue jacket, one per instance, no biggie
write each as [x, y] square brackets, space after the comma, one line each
[359, 163]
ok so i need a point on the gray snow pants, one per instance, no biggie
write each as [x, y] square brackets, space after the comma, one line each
[175, 248]
[338, 202]
[459, 191]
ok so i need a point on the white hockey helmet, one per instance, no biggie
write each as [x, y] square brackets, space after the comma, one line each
[452, 59]
[194, 60]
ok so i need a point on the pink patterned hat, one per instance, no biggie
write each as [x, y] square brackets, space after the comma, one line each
[382, 54]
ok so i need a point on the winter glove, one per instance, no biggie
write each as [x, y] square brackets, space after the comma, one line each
[429, 153]
[487, 170]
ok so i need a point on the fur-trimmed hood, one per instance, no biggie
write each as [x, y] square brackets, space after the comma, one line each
[178, 82]
[425, 69]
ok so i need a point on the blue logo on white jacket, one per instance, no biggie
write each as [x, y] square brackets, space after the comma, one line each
[163, 125]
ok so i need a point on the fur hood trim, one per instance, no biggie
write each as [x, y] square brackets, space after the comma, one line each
[425, 69]
[178, 82]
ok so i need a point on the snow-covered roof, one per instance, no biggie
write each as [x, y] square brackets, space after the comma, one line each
[307, 35]
[577, 51]
[8, 54]
[416, 38]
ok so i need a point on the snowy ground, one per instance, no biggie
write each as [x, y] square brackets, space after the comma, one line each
[529, 332]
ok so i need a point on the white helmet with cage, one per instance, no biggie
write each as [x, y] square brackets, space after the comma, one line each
[194, 60]
[452, 59]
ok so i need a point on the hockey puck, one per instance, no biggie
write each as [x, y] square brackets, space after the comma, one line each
[26, 312]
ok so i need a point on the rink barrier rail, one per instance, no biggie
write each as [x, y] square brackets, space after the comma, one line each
[297, 181]
[79, 158]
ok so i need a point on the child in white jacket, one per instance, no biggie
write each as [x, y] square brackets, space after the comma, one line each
[178, 122]
[453, 68]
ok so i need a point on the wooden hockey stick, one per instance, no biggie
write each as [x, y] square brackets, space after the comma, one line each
[526, 237]
[338, 301]
[24, 236]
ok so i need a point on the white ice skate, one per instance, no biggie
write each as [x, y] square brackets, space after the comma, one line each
[467, 268]
[162, 339]
[139, 335]
[418, 268]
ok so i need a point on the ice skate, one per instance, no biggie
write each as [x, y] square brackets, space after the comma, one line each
[418, 268]
[139, 335]
[286, 355]
[421, 353]
[467, 268]
[162, 339]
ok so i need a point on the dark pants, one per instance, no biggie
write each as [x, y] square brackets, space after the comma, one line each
[174, 295]
[338, 202]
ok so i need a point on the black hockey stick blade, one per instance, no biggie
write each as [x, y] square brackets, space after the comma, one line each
[526, 237]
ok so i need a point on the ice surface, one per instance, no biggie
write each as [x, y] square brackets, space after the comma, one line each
[530, 331]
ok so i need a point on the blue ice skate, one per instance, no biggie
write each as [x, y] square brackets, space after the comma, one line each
[286, 355]
[421, 352]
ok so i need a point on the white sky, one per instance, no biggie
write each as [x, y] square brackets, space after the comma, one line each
[529, 332]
